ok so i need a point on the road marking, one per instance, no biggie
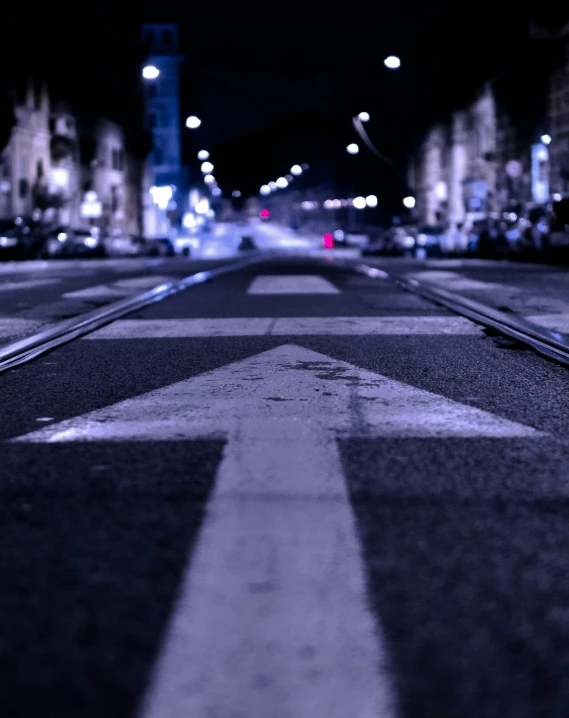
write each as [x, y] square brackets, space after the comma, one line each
[557, 322]
[27, 284]
[291, 284]
[255, 326]
[120, 288]
[15, 327]
[272, 616]
[457, 282]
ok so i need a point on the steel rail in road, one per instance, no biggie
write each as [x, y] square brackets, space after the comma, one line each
[25, 350]
[554, 345]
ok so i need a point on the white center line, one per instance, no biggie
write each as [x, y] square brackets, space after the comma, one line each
[293, 284]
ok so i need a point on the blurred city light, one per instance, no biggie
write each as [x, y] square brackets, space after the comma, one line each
[150, 72]
[289, 178]
[337, 203]
[546, 139]
[189, 220]
[209, 179]
[207, 167]
[305, 167]
[557, 197]
[265, 189]
[329, 241]
[193, 122]
[352, 149]
[329, 204]
[371, 200]
[202, 207]
[161, 196]
[296, 170]
[409, 202]
[265, 213]
[236, 193]
[203, 155]
[216, 192]
[273, 186]
[364, 116]
[392, 62]
[282, 182]
[359, 202]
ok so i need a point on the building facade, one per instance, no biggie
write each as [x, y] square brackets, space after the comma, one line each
[67, 169]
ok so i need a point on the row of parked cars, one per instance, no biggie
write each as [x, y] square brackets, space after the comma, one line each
[540, 233]
[26, 239]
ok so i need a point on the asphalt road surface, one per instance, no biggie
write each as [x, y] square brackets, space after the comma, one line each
[293, 491]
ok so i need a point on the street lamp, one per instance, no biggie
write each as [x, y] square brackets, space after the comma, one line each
[207, 167]
[193, 122]
[546, 139]
[296, 170]
[236, 193]
[209, 179]
[352, 149]
[216, 192]
[359, 202]
[364, 116]
[371, 201]
[282, 182]
[409, 202]
[392, 62]
[203, 155]
[150, 72]
[265, 190]
[273, 186]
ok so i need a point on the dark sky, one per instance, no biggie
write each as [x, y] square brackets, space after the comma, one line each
[256, 71]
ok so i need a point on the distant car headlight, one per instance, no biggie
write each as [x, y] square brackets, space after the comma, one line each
[91, 242]
[62, 236]
[8, 241]
[422, 239]
[409, 242]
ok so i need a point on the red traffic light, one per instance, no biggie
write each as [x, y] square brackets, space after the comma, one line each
[329, 241]
[265, 214]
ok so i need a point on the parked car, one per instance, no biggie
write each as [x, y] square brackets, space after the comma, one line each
[69, 242]
[124, 245]
[430, 241]
[20, 240]
[160, 247]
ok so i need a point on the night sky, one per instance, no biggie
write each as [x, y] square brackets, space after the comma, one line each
[268, 79]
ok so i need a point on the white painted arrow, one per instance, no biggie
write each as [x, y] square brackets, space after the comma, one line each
[272, 616]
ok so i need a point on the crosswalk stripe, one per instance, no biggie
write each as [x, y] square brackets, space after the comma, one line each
[260, 326]
[16, 327]
[291, 284]
[115, 290]
[11, 286]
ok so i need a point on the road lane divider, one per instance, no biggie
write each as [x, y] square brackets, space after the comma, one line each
[25, 350]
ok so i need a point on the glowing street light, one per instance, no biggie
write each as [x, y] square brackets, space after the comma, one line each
[216, 192]
[202, 207]
[203, 155]
[282, 182]
[409, 202]
[207, 167]
[265, 190]
[352, 149]
[392, 62]
[364, 116]
[236, 193]
[273, 186]
[546, 139]
[296, 170]
[359, 202]
[150, 72]
[193, 122]
[371, 200]
[209, 179]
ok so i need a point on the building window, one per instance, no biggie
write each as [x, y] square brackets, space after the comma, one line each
[23, 188]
